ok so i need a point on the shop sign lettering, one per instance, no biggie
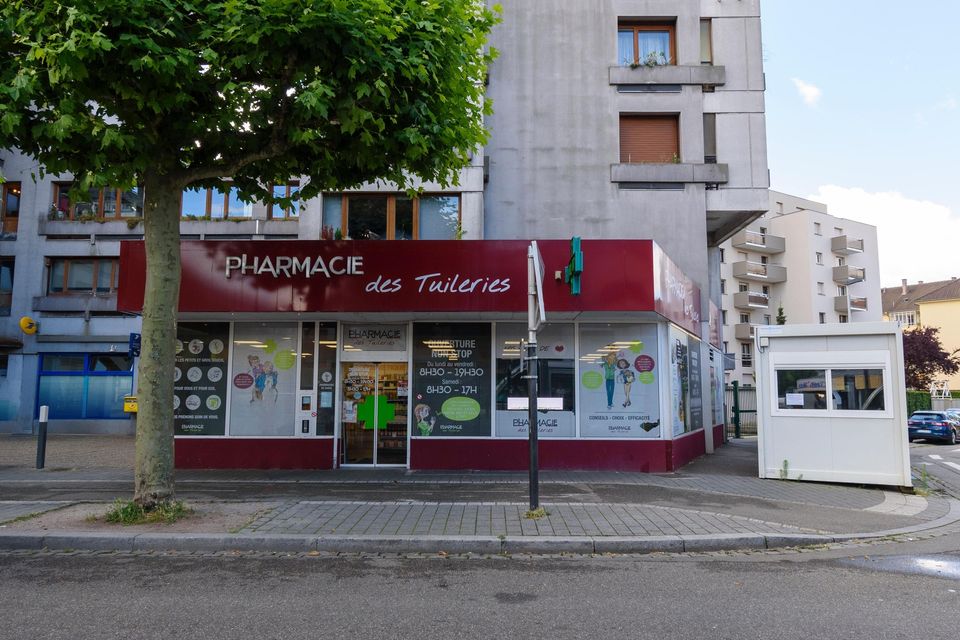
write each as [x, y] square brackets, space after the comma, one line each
[290, 266]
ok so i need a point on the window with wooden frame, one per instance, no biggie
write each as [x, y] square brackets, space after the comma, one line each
[649, 44]
[390, 217]
[214, 203]
[82, 276]
[6, 284]
[649, 138]
[289, 190]
[96, 204]
[10, 207]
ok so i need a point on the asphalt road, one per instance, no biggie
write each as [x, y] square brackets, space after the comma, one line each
[942, 462]
[912, 593]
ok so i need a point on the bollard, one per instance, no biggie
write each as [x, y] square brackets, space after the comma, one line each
[736, 409]
[42, 437]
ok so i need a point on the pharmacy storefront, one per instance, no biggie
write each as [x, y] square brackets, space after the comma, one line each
[324, 354]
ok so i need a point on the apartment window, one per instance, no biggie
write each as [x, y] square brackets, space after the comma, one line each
[649, 139]
[742, 287]
[841, 261]
[816, 228]
[764, 259]
[709, 138]
[645, 44]
[723, 286]
[723, 316]
[823, 318]
[214, 203]
[744, 318]
[746, 355]
[766, 318]
[391, 217]
[838, 231]
[843, 318]
[10, 207]
[95, 204]
[78, 276]
[820, 288]
[841, 290]
[722, 256]
[726, 347]
[906, 318]
[819, 258]
[706, 42]
[289, 190]
[84, 386]
[6, 285]
[766, 290]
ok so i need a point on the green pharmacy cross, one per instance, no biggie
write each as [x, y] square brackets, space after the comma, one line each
[375, 409]
[571, 273]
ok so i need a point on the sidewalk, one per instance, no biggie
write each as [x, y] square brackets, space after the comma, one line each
[714, 503]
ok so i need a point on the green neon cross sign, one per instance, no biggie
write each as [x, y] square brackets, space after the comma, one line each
[375, 409]
[571, 273]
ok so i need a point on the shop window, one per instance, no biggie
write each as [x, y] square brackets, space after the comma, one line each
[645, 44]
[289, 190]
[619, 381]
[556, 378]
[390, 217]
[649, 139]
[214, 203]
[79, 276]
[802, 389]
[686, 388]
[84, 386]
[10, 209]
[850, 389]
[264, 378]
[6, 284]
[200, 379]
[95, 204]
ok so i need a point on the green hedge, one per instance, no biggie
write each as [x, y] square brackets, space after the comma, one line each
[918, 401]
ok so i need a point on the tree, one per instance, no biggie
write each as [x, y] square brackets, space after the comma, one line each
[924, 357]
[781, 317]
[174, 94]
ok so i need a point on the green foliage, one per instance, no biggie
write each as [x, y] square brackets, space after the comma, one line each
[536, 514]
[918, 401]
[127, 512]
[781, 316]
[260, 90]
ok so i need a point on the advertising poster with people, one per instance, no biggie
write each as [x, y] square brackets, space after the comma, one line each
[262, 401]
[451, 379]
[619, 394]
[200, 379]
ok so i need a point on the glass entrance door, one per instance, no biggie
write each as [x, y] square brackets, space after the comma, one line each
[374, 417]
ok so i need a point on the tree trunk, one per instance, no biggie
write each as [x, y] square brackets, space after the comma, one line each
[153, 471]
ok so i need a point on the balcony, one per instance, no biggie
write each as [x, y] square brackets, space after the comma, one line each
[669, 172]
[846, 304]
[759, 272]
[845, 245]
[743, 331]
[77, 303]
[751, 300]
[848, 274]
[757, 242]
[669, 74]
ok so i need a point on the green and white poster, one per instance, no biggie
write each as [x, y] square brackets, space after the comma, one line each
[200, 379]
[264, 379]
[451, 379]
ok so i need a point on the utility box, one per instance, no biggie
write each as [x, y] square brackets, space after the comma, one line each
[129, 404]
[831, 403]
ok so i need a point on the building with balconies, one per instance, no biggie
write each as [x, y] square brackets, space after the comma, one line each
[817, 267]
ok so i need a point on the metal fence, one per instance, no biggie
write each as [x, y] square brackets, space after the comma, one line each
[741, 404]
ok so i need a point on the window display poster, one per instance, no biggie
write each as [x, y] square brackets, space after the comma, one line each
[680, 383]
[716, 387]
[695, 396]
[451, 379]
[619, 390]
[264, 379]
[200, 379]
[556, 379]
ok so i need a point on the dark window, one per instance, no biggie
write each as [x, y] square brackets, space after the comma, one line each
[82, 275]
[84, 386]
[10, 208]
[6, 285]
[391, 217]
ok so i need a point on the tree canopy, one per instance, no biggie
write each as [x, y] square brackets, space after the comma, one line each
[925, 358]
[185, 93]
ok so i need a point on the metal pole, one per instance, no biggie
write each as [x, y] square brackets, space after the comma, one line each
[531, 358]
[42, 437]
[736, 409]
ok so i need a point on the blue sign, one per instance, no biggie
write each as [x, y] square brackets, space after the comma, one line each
[133, 346]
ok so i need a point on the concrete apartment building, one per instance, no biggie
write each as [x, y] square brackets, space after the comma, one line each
[928, 304]
[620, 121]
[820, 268]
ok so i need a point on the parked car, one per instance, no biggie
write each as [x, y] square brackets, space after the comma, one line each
[933, 425]
[953, 412]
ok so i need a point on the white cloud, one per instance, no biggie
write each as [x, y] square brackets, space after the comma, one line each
[917, 238]
[810, 93]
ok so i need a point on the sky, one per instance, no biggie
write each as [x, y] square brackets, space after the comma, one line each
[863, 115]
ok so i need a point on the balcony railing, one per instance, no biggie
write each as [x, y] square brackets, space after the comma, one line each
[743, 331]
[846, 304]
[845, 245]
[847, 274]
[759, 242]
[759, 272]
[751, 300]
